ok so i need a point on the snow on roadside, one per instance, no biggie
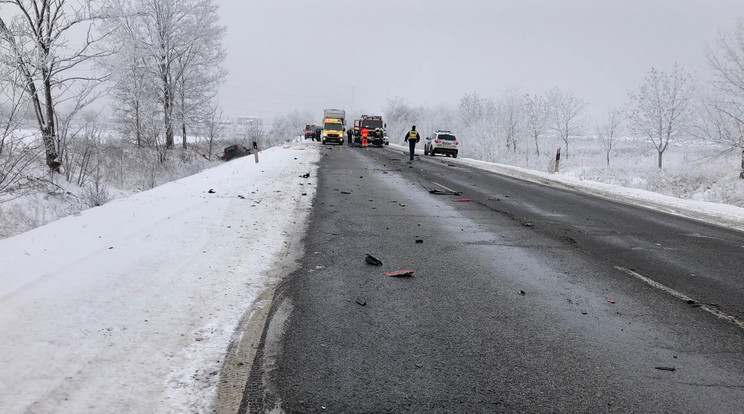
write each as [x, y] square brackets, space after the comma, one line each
[130, 307]
[714, 213]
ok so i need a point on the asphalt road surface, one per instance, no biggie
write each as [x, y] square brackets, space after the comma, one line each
[524, 299]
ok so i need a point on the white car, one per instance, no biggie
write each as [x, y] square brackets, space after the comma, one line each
[442, 142]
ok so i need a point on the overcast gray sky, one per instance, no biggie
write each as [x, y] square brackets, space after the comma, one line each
[355, 54]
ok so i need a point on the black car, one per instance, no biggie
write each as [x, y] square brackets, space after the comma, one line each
[234, 151]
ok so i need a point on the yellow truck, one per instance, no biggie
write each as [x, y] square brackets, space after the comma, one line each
[333, 131]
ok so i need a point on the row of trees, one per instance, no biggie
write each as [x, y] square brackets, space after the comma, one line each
[667, 105]
[160, 61]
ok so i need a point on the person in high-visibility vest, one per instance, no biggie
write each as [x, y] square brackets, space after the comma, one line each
[365, 133]
[413, 138]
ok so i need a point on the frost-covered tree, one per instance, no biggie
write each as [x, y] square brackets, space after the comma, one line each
[172, 53]
[16, 153]
[661, 109]
[399, 116]
[537, 113]
[510, 116]
[724, 114]
[608, 129]
[566, 114]
[131, 84]
[200, 71]
[37, 40]
[477, 123]
[285, 128]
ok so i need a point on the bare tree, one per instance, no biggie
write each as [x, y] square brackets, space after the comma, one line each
[214, 127]
[567, 111]
[607, 131]
[537, 112]
[132, 86]
[200, 70]
[510, 114]
[661, 109]
[35, 41]
[286, 127]
[17, 153]
[724, 115]
[172, 57]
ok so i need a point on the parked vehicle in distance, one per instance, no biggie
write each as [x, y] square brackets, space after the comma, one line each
[234, 151]
[313, 132]
[441, 142]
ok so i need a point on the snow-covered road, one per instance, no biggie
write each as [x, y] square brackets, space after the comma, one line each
[130, 307]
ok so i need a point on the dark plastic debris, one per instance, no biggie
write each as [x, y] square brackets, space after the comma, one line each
[373, 260]
[306, 175]
[521, 292]
[445, 192]
[666, 368]
[419, 241]
[211, 191]
[361, 302]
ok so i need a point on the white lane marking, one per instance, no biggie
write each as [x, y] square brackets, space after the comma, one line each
[682, 296]
[448, 189]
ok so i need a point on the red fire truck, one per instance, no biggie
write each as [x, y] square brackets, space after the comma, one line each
[375, 128]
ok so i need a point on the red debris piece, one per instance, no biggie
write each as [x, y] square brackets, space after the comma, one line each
[460, 200]
[400, 273]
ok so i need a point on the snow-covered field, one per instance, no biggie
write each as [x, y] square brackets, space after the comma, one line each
[131, 306]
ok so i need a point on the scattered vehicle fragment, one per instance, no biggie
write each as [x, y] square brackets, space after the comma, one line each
[437, 191]
[399, 273]
[373, 260]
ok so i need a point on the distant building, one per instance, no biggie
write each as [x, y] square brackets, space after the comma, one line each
[248, 121]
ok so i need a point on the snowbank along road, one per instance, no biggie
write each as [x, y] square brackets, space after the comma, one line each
[131, 306]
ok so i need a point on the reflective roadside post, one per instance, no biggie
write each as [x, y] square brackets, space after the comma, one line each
[255, 151]
[557, 159]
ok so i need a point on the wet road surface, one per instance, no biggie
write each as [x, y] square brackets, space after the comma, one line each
[523, 299]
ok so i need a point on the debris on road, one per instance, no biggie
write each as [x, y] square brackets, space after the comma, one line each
[399, 273]
[346, 192]
[443, 192]
[666, 368]
[522, 293]
[419, 241]
[241, 197]
[461, 200]
[306, 175]
[528, 224]
[373, 260]
[211, 191]
[361, 302]
[610, 300]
